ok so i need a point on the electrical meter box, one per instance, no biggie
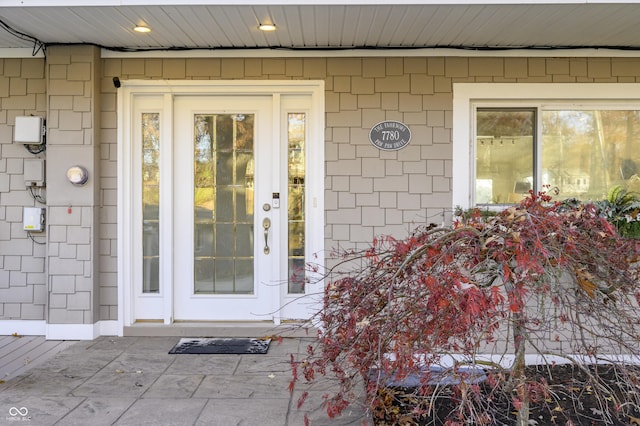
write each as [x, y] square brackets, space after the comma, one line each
[34, 172]
[33, 219]
[29, 130]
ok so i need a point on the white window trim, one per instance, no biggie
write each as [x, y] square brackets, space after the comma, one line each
[467, 95]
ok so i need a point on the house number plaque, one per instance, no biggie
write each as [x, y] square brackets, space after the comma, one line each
[390, 135]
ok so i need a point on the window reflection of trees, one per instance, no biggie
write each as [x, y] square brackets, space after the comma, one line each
[296, 134]
[583, 152]
[586, 152]
[150, 202]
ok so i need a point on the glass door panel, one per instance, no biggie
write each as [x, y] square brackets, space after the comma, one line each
[296, 138]
[223, 175]
[150, 202]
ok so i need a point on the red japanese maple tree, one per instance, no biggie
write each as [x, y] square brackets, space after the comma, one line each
[543, 277]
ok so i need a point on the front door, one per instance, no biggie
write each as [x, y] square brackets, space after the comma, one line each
[221, 189]
[224, 244]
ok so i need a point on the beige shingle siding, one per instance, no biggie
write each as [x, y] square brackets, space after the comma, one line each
[74, 120]
[368, 191]
[22, 262]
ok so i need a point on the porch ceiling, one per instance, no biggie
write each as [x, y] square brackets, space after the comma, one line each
[187, 25]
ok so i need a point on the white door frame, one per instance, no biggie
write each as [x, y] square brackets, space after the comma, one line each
[167, 90]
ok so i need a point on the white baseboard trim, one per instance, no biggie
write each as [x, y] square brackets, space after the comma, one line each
[508, 360]
[71, 332]
[81, 331]
[109, 328]
[23, 327]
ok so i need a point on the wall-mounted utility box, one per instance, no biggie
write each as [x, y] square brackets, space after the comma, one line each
[34, 172]
[33, 219]
[29, 130]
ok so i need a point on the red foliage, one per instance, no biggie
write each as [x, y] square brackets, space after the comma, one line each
[450, 290]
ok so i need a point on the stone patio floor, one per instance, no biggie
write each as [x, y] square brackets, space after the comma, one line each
[134, 381]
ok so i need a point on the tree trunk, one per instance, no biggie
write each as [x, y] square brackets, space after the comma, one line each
[519, 371]
[519, 339]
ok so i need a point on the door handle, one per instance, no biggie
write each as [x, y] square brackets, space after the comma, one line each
[266, 224]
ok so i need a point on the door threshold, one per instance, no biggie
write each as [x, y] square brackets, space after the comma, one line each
[219, 329]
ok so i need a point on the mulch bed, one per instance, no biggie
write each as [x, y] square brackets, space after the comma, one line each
[571, 400]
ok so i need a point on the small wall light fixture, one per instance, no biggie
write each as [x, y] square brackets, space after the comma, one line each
[267, 27]
[77, 175]
[142, 29]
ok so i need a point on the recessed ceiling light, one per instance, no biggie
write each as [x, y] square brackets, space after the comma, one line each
[142, 29]
[267, 27]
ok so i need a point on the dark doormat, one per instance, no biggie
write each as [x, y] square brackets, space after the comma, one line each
[220, 345]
